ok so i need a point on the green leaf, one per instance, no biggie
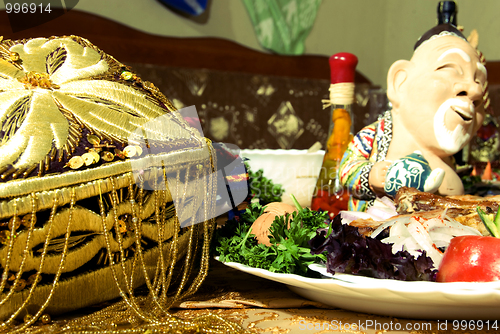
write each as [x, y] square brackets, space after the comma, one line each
[492, 224]
[263, 188]
[289, 236]
[497, 219]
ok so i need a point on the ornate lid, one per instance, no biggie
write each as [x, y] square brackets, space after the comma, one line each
[66, 107]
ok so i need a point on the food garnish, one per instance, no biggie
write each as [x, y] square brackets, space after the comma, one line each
[473, 258]
[492, 222]
[289, 236]
[262, 188]
[261, 225]
[347, 251]
[416, 233]
[305, 237]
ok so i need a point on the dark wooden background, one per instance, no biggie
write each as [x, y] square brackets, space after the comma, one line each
[130, 45]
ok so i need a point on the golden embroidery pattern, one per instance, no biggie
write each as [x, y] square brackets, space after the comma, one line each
[59, 88]
[77, 227]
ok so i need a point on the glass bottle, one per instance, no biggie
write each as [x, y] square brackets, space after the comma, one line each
[447, 12]
[329, 194]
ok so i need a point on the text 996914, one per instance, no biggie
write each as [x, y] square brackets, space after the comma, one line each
[27, 7]
[26, 14]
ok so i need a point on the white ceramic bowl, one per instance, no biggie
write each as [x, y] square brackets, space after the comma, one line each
[295, 170]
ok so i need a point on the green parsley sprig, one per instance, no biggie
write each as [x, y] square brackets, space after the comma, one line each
[289, 235]
[263, 188]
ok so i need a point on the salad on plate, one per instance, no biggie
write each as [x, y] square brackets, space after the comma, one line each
[381, 243]
[352, 262]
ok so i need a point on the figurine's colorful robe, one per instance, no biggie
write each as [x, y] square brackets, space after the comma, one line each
[368, 146]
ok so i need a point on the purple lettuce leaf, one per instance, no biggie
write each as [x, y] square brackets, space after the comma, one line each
[347, 251]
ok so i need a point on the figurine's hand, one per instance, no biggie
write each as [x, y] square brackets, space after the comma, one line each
[376, 178]
[434, 180]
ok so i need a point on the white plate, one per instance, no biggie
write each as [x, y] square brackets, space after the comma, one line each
[412, 300]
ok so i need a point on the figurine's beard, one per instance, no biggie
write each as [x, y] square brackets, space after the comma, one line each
[451, 141]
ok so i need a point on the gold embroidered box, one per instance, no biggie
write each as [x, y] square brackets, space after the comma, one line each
[86, 214]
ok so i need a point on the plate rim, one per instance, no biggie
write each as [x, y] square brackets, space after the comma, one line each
[397, 286]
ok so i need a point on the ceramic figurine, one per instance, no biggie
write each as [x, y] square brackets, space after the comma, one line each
[437, 107]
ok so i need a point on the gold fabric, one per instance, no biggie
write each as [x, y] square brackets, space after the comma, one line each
[252, 304]
[77, 226]
[267, 307]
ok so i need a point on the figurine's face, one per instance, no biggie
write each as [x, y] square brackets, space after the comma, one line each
[442, 105]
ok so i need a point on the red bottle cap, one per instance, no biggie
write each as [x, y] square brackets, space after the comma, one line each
[343, 67]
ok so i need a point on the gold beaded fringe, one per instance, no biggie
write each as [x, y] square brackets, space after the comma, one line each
[171, 280]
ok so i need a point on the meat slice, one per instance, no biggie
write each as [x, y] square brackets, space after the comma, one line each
[461, 208]
[409, 200]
